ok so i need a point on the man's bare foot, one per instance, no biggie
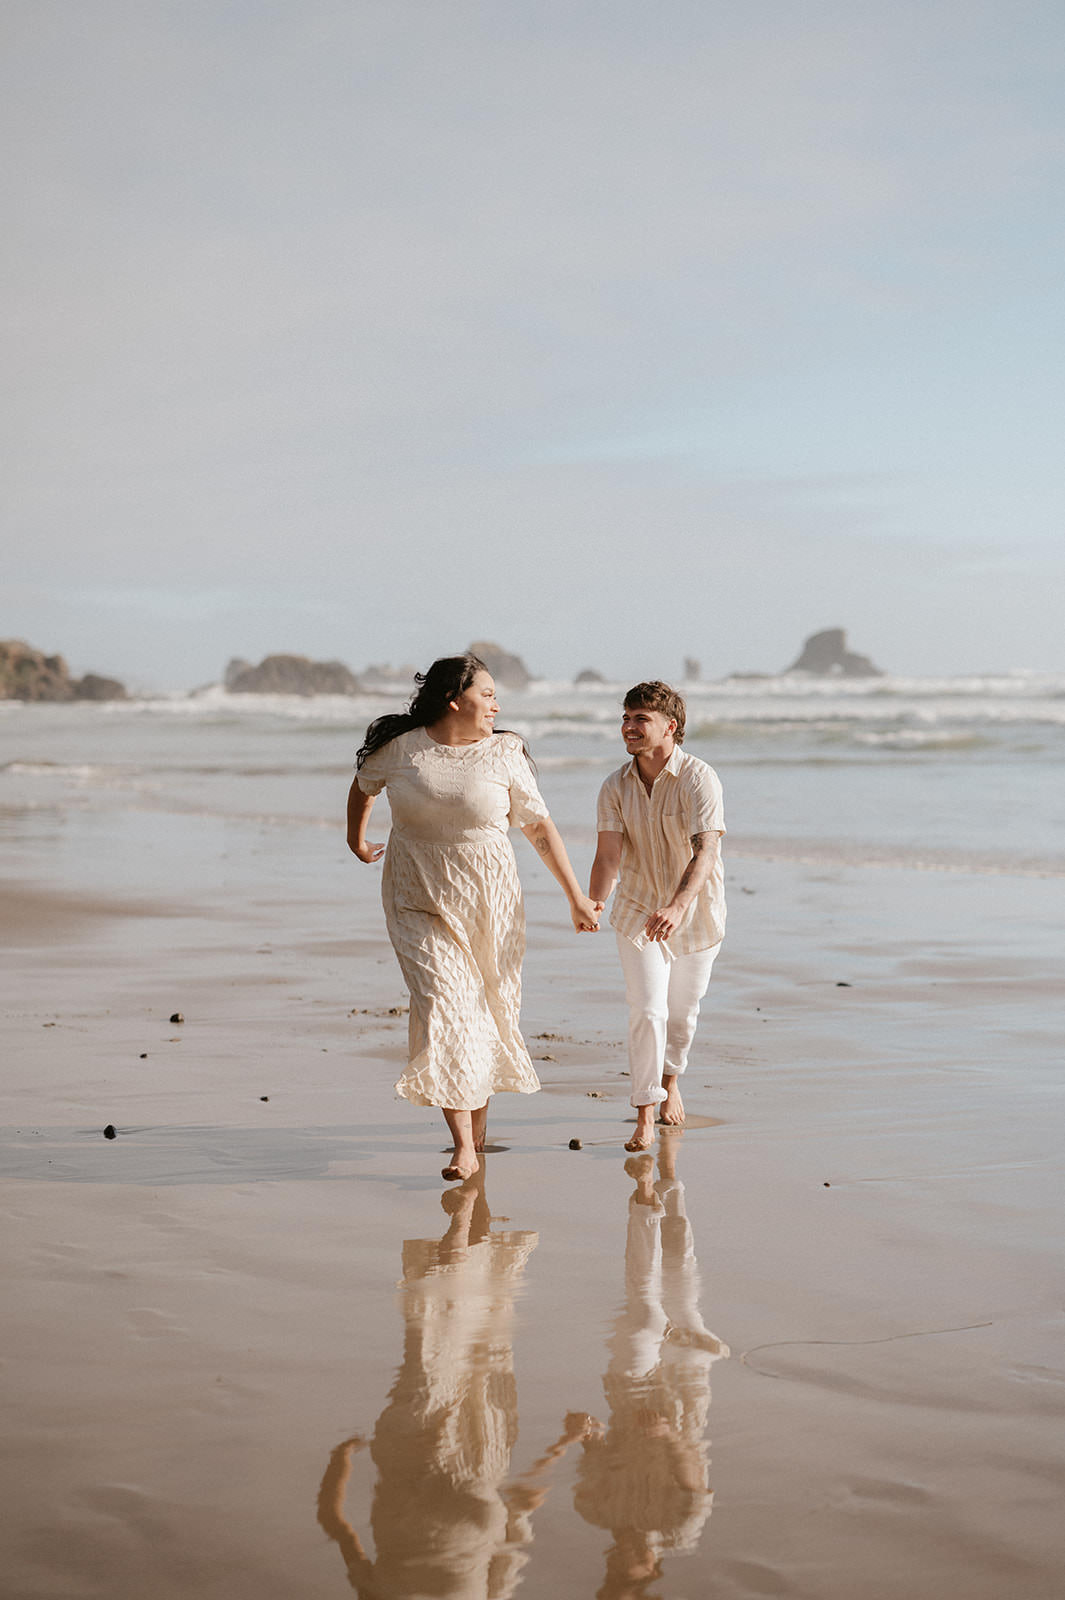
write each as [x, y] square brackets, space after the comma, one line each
[671, 1111]
[644, 1137]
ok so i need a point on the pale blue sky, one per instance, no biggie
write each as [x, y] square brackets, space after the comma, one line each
[616, 332]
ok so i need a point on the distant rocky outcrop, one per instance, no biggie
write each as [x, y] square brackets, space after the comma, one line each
[506, 669]
[28, 674]
[382, 675]
[825, 655]
[93, 687]
[589, 675]
[290, 675]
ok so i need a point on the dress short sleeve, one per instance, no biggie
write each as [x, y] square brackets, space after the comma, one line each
[372, 776]
[526, 801]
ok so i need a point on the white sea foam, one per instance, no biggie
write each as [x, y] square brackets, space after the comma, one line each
[77, 771]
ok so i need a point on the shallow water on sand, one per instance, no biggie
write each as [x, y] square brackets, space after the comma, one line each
[250, 1351]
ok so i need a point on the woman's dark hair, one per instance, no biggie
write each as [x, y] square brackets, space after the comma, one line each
[445, 681]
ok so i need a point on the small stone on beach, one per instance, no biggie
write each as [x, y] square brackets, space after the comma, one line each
[109, 1131]
[264, 1097]
[594, 1094]
[177, 1017]
[547, 1057]
[842, 984]
[144, 1055]
[575, 1144]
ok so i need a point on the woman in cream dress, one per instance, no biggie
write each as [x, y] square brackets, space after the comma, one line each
[451, 893]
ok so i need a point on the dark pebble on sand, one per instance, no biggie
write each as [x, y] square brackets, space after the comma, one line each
[842, 984]
[575, 1144]
[144, 1055]
[593, 1094]
[264, 1097]
[177, 1017]
[109, 1131]
[547, 1057]
[827, 1184]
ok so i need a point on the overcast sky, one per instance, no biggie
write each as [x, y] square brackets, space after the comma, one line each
[614, 331]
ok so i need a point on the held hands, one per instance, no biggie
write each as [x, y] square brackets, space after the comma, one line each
[585, 914]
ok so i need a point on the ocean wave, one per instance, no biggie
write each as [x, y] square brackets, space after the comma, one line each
[730, 709]
[81, 771]
[921, 739]
[908, 858]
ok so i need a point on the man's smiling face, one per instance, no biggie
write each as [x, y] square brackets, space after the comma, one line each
[646, 731]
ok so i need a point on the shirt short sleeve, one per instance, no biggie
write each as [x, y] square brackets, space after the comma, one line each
[372, 776]
[705, 805]
[526, 801]
[608, 817]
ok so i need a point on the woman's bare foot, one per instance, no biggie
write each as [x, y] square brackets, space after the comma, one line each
[464, 1160]
[479, 1126]
[463, 1165]
[644, 1137]
[672, 1108]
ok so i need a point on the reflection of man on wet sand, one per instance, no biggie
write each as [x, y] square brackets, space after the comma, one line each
[442, 1523]
[645, 1476]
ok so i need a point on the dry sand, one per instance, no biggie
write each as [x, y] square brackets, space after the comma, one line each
[200, 1312]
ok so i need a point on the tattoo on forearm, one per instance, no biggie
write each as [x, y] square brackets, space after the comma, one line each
[698, 868]
[543, 844]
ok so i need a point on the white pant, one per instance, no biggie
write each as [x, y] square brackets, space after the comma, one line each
[663, 992]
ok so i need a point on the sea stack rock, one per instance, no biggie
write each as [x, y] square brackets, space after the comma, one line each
[28, 674]
[589, 675]
[506, 669]
[93, 687]
[825, 655]
[291, 675]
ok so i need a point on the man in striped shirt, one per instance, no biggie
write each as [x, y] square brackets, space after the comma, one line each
[660, 822]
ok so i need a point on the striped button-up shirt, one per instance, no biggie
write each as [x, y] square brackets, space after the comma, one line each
[656, 831]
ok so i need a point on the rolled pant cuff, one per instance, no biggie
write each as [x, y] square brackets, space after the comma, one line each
[648, 1097]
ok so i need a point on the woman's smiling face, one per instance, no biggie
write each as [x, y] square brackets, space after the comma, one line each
[476, 708]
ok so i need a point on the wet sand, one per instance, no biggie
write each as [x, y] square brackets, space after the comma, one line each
[251, 1351]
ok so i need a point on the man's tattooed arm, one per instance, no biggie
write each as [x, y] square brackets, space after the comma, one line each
[698, 870]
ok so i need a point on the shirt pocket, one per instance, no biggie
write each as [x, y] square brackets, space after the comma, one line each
[673, 821]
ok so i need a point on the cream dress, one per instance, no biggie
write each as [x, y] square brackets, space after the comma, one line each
[454, 910]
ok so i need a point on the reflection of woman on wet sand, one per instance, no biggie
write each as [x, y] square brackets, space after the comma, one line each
[645, 1475]
[443, 1524]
